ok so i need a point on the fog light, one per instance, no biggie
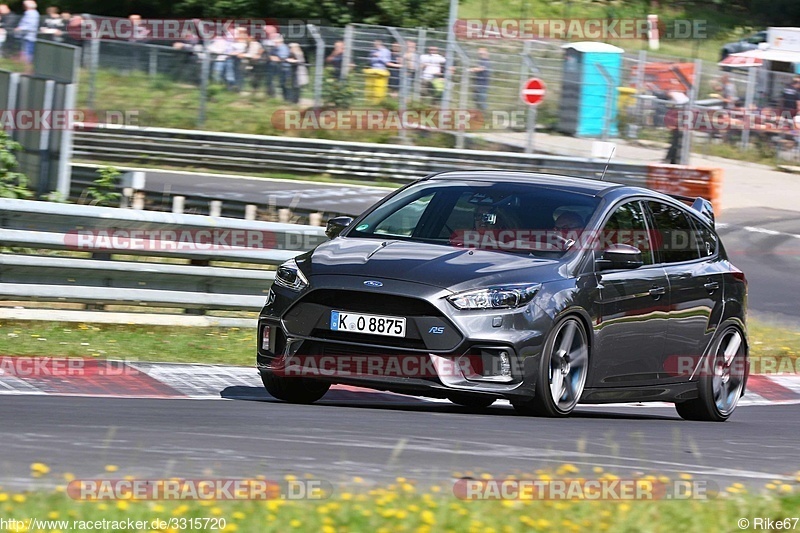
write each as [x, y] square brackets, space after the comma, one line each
[505, 365]
[265, 338]
[489, 364]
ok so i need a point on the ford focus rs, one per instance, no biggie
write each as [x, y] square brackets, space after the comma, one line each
[542, 290]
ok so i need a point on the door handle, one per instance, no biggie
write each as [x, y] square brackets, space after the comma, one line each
[711, 286]
[657, 292]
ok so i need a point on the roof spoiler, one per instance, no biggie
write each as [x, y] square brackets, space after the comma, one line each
[702, 206]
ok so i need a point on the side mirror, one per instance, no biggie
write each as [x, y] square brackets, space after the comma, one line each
[336, 225]
[620, 256]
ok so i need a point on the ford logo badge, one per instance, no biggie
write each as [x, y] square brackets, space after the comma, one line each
[373, 283]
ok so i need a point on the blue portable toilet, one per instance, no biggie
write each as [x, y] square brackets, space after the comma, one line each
[586, 94]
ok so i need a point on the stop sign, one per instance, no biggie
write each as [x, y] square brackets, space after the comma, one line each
[533, 92]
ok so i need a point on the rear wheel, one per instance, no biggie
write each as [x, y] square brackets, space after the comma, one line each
[562, 371]
[294, 390]
[721, 380]
[473, 401]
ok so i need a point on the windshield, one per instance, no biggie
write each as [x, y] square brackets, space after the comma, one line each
[510, 217]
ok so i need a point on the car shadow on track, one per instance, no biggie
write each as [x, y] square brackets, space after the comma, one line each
[378, 400]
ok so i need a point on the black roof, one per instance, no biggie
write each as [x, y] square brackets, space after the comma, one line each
[571, 183]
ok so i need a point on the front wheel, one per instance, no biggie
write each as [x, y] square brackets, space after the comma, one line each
[722, 377]
[562, 371]
[295, 389]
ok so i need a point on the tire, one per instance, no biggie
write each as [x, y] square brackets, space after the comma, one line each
[473, 401]
[563, 368]
[294, 390]
[722, 378]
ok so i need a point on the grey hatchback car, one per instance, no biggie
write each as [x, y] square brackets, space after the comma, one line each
[546, 291]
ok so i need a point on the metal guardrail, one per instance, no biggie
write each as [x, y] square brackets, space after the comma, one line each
[245, 153]
[213, 261]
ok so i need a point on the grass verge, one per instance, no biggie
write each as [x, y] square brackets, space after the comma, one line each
[236, 346]
[403, 506]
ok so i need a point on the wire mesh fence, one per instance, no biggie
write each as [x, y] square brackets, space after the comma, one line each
[238, 82]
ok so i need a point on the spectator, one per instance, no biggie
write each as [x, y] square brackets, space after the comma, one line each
[395, 64]
[28, 30]
[336, 58]
[729, 97]
[790, 99]
[298, 77]
[189, 50]
[219, 49]
[480, 78]
[73, 29]
[380, 56]
[251, 59]
[432, 65]
[53, 25]
[271, 65]
[8, 22]
[233, 64]
[410, 59]
[278, 58]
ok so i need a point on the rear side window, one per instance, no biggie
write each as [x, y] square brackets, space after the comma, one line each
[706, 239]
[674, 236]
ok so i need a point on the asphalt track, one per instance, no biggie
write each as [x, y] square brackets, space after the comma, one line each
[335, 441]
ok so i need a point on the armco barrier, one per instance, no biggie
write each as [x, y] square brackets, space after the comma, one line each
[73, 253]
[237, 153]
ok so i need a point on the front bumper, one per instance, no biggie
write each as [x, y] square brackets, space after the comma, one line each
[494, 352]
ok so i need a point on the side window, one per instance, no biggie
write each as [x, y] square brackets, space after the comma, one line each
[706, 239]
[627, 226]
[404, 221]
[674, 235]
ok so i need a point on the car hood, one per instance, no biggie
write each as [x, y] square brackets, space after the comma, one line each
[430, 264]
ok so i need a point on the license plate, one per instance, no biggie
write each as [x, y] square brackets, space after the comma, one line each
[390, 326]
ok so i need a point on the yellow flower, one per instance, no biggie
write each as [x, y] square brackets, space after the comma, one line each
[686, 476]
[39, 469]
[230, 526]
[428, 517]
[290, 477]
[111, 468]
[69, 477]
[122, 505]
[179, 510]
[19, 498]
[158, 508]
[3, 497]
[597, 470]
[786, 488]
[295, 523]
[328, 529]
[216, 511]
[238, 515]
[52, 515]
[358, 480]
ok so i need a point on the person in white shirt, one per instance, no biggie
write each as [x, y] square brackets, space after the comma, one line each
[432, 66]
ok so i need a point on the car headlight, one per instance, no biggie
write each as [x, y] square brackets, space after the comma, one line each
[495, 297]
[289, 276]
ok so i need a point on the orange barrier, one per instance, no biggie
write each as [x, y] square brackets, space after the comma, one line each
[704, 182]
